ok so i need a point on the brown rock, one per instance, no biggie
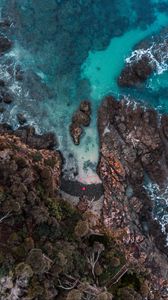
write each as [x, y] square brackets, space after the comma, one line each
[85, 107]
[80, 118]
[128, 152]
[76, 132]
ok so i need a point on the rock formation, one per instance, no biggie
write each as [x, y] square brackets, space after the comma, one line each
[80, 118]
[28, 135]
[133, 146]
[148, 56]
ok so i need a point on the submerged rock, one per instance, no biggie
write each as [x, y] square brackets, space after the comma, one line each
[5, 44]
[7, 97]
[136, 72]
[21, 119]
[134, 146]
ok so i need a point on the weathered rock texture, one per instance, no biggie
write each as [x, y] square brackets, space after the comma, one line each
[133, 145]
[148, 56]
[28, 135]
[80, 118]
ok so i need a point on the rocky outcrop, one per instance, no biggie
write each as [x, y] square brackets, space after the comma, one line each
[80, 118]
[148, 56]
[134, 147]
[28, 135]
[136, 72]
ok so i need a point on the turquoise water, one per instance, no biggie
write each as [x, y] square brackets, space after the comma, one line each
[71, 50]
[102, 68]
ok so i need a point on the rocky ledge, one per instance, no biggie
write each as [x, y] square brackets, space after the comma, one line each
[80, 118]
[148, 56]
[134, 146]
[28, 135]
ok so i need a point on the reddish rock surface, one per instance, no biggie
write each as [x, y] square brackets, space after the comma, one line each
[131, 146]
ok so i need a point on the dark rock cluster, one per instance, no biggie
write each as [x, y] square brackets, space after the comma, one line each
[136, 72]
[80, 118]
[133, 146]
[147, 57]
[28, 136]
[5, 44]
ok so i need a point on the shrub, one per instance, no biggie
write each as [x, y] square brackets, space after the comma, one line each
[82, 229]
[105, 296]
[74, 295]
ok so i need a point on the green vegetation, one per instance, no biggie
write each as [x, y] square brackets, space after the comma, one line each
[48, 249]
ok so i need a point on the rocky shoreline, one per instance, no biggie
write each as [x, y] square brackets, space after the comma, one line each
[132, 145]
[52, 250]
[80, 119]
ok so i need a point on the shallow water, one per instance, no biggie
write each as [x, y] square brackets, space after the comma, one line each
[73, 50]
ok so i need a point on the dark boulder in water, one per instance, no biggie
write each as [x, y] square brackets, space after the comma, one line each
[21, 118]
[148, 56]
[5, 44]
[137, 72]
[7, 97]
[80, 118]
[76, 132]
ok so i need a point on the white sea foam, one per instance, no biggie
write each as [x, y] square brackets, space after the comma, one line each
[151, 53]
[159, 198]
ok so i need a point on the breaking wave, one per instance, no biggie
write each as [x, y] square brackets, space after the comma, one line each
[159, 198]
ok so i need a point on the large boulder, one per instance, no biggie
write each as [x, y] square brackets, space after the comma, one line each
[136, 72]
[80, 118]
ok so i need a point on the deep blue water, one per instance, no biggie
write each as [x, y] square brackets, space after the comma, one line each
[71, 50]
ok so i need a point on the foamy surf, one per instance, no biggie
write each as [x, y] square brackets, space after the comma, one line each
[159, 198]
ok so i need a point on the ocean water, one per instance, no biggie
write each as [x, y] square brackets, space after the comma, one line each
[71, 50]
